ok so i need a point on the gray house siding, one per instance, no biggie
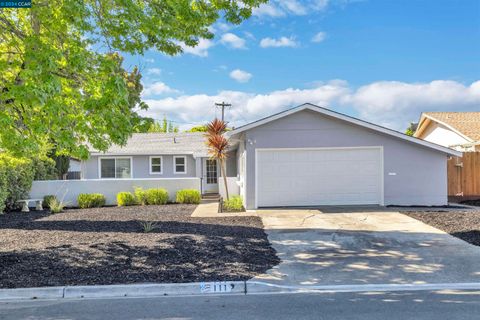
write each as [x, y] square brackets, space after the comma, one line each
[141, 167]
[420, 172]
[231, 164]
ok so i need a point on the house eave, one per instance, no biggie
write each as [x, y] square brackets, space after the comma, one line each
[426, 119]
[352, 120]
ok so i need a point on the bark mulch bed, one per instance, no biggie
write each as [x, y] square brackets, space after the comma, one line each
[472, 202]
[461, 224]
[108, 246]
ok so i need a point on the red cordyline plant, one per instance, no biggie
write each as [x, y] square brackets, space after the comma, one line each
[218, 146]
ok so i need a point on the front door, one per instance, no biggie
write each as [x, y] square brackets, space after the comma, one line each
[210, 176]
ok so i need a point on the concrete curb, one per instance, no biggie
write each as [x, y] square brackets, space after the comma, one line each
[31, 293]
[130, 290]
[259, 287]
[208, 288]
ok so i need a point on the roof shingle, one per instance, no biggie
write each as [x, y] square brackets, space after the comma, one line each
[161, 143]
[467, 123]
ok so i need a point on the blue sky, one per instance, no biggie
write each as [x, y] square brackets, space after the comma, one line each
[381, 60]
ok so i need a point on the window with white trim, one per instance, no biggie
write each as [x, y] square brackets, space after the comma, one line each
[156, 164]
[115, 168]
[180, 165]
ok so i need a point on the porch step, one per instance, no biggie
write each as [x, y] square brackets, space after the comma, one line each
[210, 197]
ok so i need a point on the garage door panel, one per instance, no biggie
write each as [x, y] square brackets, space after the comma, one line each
[319, 177]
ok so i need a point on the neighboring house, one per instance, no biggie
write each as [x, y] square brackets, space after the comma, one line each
[456, 130]
[314, 156]
[304, 156]
[74, 169]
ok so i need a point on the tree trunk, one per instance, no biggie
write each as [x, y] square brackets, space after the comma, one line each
[222, 170]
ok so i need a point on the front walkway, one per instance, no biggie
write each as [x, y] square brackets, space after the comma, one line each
[363, 245]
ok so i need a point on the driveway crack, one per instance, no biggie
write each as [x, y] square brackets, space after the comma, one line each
[304, 219]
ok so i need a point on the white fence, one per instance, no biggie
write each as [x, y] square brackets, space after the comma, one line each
[68, 190]
[233, 188]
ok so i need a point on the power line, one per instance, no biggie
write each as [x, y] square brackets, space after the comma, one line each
[223, 105]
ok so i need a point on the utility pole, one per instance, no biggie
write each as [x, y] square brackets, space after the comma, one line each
[223, 105]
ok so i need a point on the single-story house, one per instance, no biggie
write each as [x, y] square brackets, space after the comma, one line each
[456, 130]
[304, 156]
[310, 155]
[158, 155]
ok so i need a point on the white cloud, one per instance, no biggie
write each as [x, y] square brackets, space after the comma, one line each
[157, 88]
[246, 106]
[269, 10]
[224, 26]
[201, 49]
[282, 8]
[281, 42]
[154, 71]
[320, 5]
[249, 35]
[149, 60]
[293, 6]
[240, 75]
[319, 37]
[391, 104]
[233, 41]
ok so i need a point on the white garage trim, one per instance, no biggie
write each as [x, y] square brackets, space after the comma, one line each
[381, 167]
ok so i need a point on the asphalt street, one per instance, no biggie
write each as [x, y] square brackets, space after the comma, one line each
[445, 304]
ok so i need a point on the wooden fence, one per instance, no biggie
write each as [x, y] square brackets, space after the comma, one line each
[464, 176]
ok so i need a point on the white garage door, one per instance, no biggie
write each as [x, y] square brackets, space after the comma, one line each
[304, 177]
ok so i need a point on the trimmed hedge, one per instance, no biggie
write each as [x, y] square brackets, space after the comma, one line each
[91, 200]
[17, 175]
[191, 196]
[156, 196]
[140, 195]
[15, 181]
[234, 204]
[126, 199]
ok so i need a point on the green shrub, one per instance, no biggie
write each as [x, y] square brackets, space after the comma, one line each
[148, 226]
[234, 204]
[126, 199]
[16, 182]
[44, 169]
[156, 196]
[3, 189]
[188, 196]
[91, 200]
[140, 195]
[48, 199]
[56, 206]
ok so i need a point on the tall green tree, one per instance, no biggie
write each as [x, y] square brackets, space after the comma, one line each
[411, 129]
[200, 128]
[62, 84]
[164, 126]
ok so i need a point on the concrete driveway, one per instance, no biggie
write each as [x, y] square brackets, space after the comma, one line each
[364, 245]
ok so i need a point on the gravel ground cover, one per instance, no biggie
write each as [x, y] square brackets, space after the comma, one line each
[109, 246]
[461, 224]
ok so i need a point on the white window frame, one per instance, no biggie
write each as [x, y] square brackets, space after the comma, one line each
[151, 165]
[175, 164]
[100, 167]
